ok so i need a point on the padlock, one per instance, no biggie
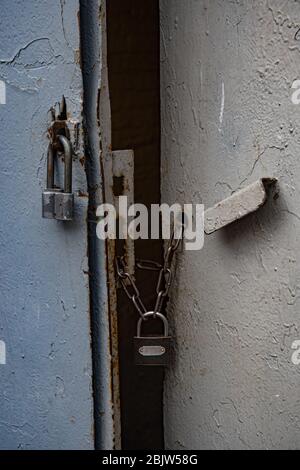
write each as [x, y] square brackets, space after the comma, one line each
[57, 203]
[48, 200]
[152, 350]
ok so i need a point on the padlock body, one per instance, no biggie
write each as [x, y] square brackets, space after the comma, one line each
[152, 350]
[48, 203]
[64, 206]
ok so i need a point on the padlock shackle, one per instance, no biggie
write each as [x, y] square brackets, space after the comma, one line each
[50, 167]
[67, 149]
[152, 314]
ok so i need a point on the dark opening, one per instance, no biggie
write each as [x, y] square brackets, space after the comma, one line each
[133, 68]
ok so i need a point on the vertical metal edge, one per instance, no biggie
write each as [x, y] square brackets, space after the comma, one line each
[107, 173]
[101, 254]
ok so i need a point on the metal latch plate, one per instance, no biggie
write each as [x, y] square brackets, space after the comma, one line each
[237, 206]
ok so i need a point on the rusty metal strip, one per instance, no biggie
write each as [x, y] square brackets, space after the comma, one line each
[123, 168]
[104, 115]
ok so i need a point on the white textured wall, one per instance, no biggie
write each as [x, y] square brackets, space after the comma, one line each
[227, 68]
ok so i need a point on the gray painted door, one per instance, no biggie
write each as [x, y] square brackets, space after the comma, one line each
[45, 352]
[228, 119]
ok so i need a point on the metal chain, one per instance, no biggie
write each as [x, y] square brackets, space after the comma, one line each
[165, 277]
[130, 289]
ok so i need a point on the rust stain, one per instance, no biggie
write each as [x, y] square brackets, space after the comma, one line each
[77, 57]
[82, 194]
[114, 335]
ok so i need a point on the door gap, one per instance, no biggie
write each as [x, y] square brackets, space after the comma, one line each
[133, 72]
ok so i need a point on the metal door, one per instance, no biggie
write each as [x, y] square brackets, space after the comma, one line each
[45, 345]
[228, 76]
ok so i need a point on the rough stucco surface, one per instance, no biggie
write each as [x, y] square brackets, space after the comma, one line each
[228, 119]
[45, 386]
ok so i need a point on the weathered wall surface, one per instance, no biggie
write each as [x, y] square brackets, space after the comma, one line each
[227, 119]
[46, 381]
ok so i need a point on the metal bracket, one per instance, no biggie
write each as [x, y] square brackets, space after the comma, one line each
[62, 125]
[123, 171]
[237, 206]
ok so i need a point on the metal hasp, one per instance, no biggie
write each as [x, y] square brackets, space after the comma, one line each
[58, 203]
[237, 206]
[123, 173]
[152, 350]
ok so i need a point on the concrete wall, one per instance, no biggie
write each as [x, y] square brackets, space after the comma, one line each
[227, 68]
